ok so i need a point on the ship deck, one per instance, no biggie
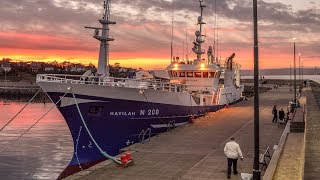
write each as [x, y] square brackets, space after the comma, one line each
[195, 151]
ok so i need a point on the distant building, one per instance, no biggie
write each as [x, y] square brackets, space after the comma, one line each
[123, 70]
[77, 68]
[35, 66]
[48, 69]
[5, 65]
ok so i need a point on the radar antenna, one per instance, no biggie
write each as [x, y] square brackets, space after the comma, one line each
[104, 38]
[199, 40]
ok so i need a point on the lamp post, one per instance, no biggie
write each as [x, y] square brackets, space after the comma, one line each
[256, 164]
[299, 68]
[302, 72]
[290, 82]
[294, 72]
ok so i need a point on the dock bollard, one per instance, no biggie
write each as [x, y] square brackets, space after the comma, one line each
[126, 159]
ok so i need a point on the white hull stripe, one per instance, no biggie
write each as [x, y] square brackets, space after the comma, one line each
[166, 125]
[68, 101]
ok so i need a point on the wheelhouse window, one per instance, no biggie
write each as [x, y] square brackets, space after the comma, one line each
[175, 74]
[205, 74]
[212, 74]
[182, 74]
[189, 74]
[197, 74]
[170, 74]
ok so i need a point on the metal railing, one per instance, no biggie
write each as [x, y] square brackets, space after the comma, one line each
[112, 81]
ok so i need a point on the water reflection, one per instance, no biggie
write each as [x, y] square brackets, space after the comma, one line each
[43, 152]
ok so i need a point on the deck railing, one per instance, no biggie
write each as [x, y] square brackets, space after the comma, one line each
[112, 81]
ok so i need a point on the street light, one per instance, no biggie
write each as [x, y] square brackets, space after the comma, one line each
[299, 68]
[256, 163]
[290, 82]
[302, 73]
[294, 72]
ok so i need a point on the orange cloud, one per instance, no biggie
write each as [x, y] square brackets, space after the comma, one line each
[40, 47]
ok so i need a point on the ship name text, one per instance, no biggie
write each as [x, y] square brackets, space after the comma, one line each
[142, 112]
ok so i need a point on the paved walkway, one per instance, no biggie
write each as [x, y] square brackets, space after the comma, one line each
[291, 163]
[312, 142]
[196, 150]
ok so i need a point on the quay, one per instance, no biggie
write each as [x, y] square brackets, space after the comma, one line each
[18, 85]
[22, 91]
[195, 151]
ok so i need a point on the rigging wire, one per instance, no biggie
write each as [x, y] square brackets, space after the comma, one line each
[20, 111]
[187, 48]
[12, 142]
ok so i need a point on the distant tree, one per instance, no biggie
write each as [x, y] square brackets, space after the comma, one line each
[91, 65]
[117, 65]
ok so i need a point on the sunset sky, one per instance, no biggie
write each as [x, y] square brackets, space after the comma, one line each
[54, 30]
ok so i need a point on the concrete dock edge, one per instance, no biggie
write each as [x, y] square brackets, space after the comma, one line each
[268, 175]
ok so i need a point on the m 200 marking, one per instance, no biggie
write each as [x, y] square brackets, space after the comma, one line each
[153, 112]
[150, 112]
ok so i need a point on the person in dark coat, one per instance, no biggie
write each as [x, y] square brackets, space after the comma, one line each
[281, 115]
[275, 113]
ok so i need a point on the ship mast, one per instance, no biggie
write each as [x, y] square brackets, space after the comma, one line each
[172, 32]
[104, 38]
[199, 40]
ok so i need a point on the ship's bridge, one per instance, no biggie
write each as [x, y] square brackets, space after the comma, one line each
[198, 77]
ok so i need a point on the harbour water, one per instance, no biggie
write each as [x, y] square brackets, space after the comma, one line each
[43, 152]
[47, 148]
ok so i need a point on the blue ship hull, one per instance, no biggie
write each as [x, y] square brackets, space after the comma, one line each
[116, 123]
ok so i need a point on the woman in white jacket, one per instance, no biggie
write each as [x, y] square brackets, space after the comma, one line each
[232, 151]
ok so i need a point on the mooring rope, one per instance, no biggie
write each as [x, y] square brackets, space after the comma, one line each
[94, 141]
[12, 142]
[19, 111]
[227, 98]
[76, 149]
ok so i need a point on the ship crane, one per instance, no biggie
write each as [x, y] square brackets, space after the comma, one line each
[104, 38]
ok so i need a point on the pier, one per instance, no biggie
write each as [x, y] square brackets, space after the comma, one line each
[196, 150]
[21, 91]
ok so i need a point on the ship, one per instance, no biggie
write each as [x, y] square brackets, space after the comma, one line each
[106, 114]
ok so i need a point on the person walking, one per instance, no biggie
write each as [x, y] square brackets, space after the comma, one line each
[275, 113]
[232, 151]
